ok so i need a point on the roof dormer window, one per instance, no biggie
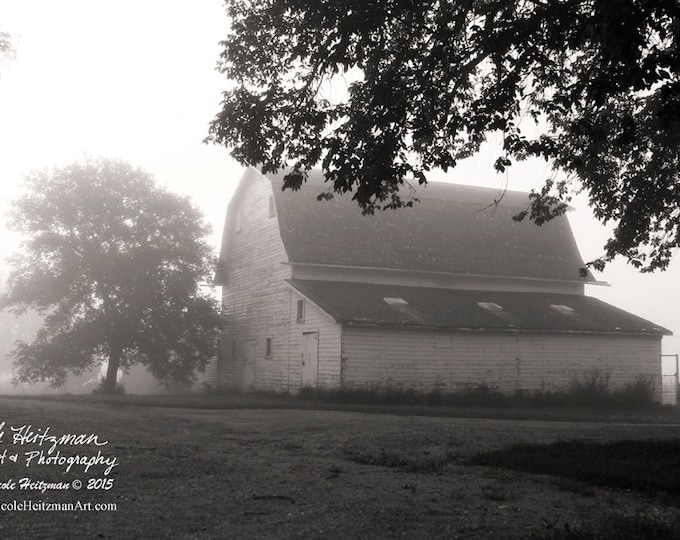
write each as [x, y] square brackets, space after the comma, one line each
[395, 301]
[489, 306]
[561, 308]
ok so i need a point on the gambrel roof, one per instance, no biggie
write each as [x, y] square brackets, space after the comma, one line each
[422, 307]
[454, 229]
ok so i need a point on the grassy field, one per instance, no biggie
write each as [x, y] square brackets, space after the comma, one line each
[648, 466]
[203, 467]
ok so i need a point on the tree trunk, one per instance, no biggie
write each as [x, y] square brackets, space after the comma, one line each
[109, 385]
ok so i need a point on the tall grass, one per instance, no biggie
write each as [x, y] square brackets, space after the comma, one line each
[593, 390]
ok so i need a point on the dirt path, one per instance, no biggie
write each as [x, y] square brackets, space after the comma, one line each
[203, 474]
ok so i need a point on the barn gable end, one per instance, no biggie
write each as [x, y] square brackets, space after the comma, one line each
[260, 343]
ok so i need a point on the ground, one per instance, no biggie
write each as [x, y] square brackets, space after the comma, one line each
[202, 473]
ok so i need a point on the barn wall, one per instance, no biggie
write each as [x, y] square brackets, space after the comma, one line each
[315, 320]
[451, 361]
[256, 299]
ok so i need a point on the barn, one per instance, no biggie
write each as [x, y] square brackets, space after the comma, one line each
[447, 295]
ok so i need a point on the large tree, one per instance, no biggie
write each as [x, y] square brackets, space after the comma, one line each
[429, 80]
[116, 264]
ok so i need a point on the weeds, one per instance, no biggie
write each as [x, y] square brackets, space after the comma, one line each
[593, 390]
[639, 393]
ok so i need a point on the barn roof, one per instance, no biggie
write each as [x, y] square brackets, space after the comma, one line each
[454, 229]
[400, 306]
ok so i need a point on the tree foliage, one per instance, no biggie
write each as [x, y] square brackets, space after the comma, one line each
[6, 46]
[430, 80]
[115, 263]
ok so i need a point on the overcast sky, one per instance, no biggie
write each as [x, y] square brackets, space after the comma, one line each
[135, 80]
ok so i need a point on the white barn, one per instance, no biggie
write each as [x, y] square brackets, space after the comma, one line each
[447, 295]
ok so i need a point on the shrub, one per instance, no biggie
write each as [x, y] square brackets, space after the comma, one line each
[640, 393]
[592, 388]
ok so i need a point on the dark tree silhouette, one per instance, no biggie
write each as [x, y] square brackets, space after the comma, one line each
[429, 80]
[114, 262]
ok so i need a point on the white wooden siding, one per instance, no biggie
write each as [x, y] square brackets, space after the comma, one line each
[329, 331]
[255, 297]
[258, 304]
[423, 360]
[208, 378]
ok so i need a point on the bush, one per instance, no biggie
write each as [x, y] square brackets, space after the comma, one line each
[592, 388]
[641, 393]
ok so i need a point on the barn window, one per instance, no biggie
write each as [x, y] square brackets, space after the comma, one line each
[300, 316]
[268, 348]
[561, 308]
[490, 306]
[272, 208]
[395, 301]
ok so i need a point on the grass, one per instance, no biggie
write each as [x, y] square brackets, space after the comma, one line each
[479, 403]
[628, 404]
[203, 467]
[616, 525]
[648, 466]
[426, 464]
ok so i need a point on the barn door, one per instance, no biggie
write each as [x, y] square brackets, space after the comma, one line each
[248, 365]
[310, 358]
